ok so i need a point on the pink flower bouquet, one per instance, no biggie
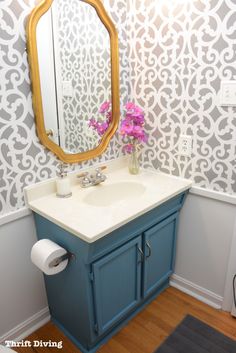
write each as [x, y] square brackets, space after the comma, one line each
[103, 123]
[132, 127]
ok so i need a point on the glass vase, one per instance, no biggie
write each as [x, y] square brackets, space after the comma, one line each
[134, 166]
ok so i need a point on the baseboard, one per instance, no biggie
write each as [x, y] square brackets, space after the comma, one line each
[200, 293]
[27, 327]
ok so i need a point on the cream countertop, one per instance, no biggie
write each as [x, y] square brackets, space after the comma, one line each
[90, 214]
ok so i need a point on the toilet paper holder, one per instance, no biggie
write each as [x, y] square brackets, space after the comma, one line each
[68, 256]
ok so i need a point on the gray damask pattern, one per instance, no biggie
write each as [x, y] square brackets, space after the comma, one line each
[22, 158]
[84, 52]
[179, 51]
[177, 62]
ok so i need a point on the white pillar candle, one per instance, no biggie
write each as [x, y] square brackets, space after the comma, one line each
[63, 187]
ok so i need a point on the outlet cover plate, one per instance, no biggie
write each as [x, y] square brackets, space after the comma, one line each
[67, 89]
[228, 93]
[185, 145]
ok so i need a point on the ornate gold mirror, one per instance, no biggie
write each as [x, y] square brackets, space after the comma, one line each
[74, 67]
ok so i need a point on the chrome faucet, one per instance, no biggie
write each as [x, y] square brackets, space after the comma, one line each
[93, 178]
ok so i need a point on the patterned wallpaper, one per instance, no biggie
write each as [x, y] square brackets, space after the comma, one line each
[84, 52]
[179, 50]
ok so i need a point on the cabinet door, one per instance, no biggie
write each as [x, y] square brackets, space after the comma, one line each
[159, 250]
[117, 284]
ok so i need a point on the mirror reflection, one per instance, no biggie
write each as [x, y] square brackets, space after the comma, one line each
[75, 75]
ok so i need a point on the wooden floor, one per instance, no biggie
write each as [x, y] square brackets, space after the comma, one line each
[147, 330]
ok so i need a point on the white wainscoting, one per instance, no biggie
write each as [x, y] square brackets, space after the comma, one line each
[203, 246]
[228, 304]
[23, 299]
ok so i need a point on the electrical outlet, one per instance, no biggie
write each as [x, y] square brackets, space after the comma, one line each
[228, 93]
[185, 145]
[67, 89]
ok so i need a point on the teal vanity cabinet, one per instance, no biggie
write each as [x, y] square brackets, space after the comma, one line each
[159, 248]
[113, 278]
[117, 283]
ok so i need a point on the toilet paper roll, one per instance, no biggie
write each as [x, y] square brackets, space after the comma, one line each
[44, 252]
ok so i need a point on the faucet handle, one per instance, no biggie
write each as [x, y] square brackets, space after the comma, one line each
[85, 179]
[99, 174]
[82, 175]
[99, 169]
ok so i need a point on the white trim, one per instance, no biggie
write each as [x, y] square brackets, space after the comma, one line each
[215, 195]
[27, 327]
[200, 293]
[233, 310]
[13, 216]
[231, 270]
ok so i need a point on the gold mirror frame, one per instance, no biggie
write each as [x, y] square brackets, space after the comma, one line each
[32, 50]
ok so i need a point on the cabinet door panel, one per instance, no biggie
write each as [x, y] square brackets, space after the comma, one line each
[117, 284]
[159, 244]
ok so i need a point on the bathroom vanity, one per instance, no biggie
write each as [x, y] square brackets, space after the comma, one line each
[123, 244]
[122, 233]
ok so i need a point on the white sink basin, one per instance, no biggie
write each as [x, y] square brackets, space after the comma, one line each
[91, 213]
[106, 195]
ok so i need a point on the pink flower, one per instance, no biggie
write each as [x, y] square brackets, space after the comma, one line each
[135, 117]
[102, 124]
[92, 122]
[126, 128]
[139, 134]
[101, 128]
[137, 130]
[105, 107]
[129, 106]
[128, 148]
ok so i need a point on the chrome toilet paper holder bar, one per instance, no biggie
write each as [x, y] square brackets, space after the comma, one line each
[68, 256]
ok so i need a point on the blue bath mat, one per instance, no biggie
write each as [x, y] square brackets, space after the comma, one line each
[194, 336]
